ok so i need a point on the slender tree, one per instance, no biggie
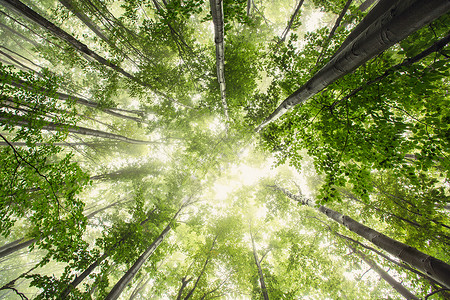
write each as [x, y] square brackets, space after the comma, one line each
[291, 21]
[129, 275]
[379, 36]
[52, 126]
[217, 14]
[76, 44]
[433, 267]
[333, 30]
[385, 275]
[260, 272]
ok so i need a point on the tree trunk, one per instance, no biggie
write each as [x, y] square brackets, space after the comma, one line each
[395, 25]
[82, 276]
[129, 275]
[291, 21]
[65, 97]
[85, 19]
[383, 274]
[437, 46]
[261, 275]
[19, 34]
[92, 214]
[15, 246]
[202, 272]
[51, 126]
[375, 13]
[76, 44]
[366, 4]
[217, 16]
[433, 267]
[184, 283]
[333, 30]
[388, 258]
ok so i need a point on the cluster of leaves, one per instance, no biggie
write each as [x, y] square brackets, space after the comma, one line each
[352, 133]
[37, 183]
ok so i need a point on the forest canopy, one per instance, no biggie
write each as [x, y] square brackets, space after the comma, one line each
[230, 149]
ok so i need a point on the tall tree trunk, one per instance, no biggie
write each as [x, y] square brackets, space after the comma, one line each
[383, 274]
[437, 46]
[51, 126]
[23, 243]
[65, 97]
[260, 273]
[118, 202]
[19, 34]
[373, 15]
[333, 30]
[395, 25]
[76, 44]
[291, 21]
[15, 246]
[85, 19]
[217, 17]
[433, 267]
[191, 292]
[390, 259]
[129, 275]
[78, 279]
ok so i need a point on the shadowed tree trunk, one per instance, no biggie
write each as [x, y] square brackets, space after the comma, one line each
[79, 278]
[388, 258]
[85, 19]
[393, 26]
[260, 273]
[51, 126]
[437, 46]
[433, 267]
[191, 292]
[383, 274]
[291, 21]
[333, 30]
[15, 246]
[375, 13]
[217, 16]
[129, 275]
[76, 44]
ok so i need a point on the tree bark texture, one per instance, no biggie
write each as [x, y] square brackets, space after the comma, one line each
[129, 275]
[260, 273]
[76, 44]
[433, 267]
[376, 12]
[15, 246]
[217, 16]
[51, 126]
[291, 21]
[385, 275]
[394, 25]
